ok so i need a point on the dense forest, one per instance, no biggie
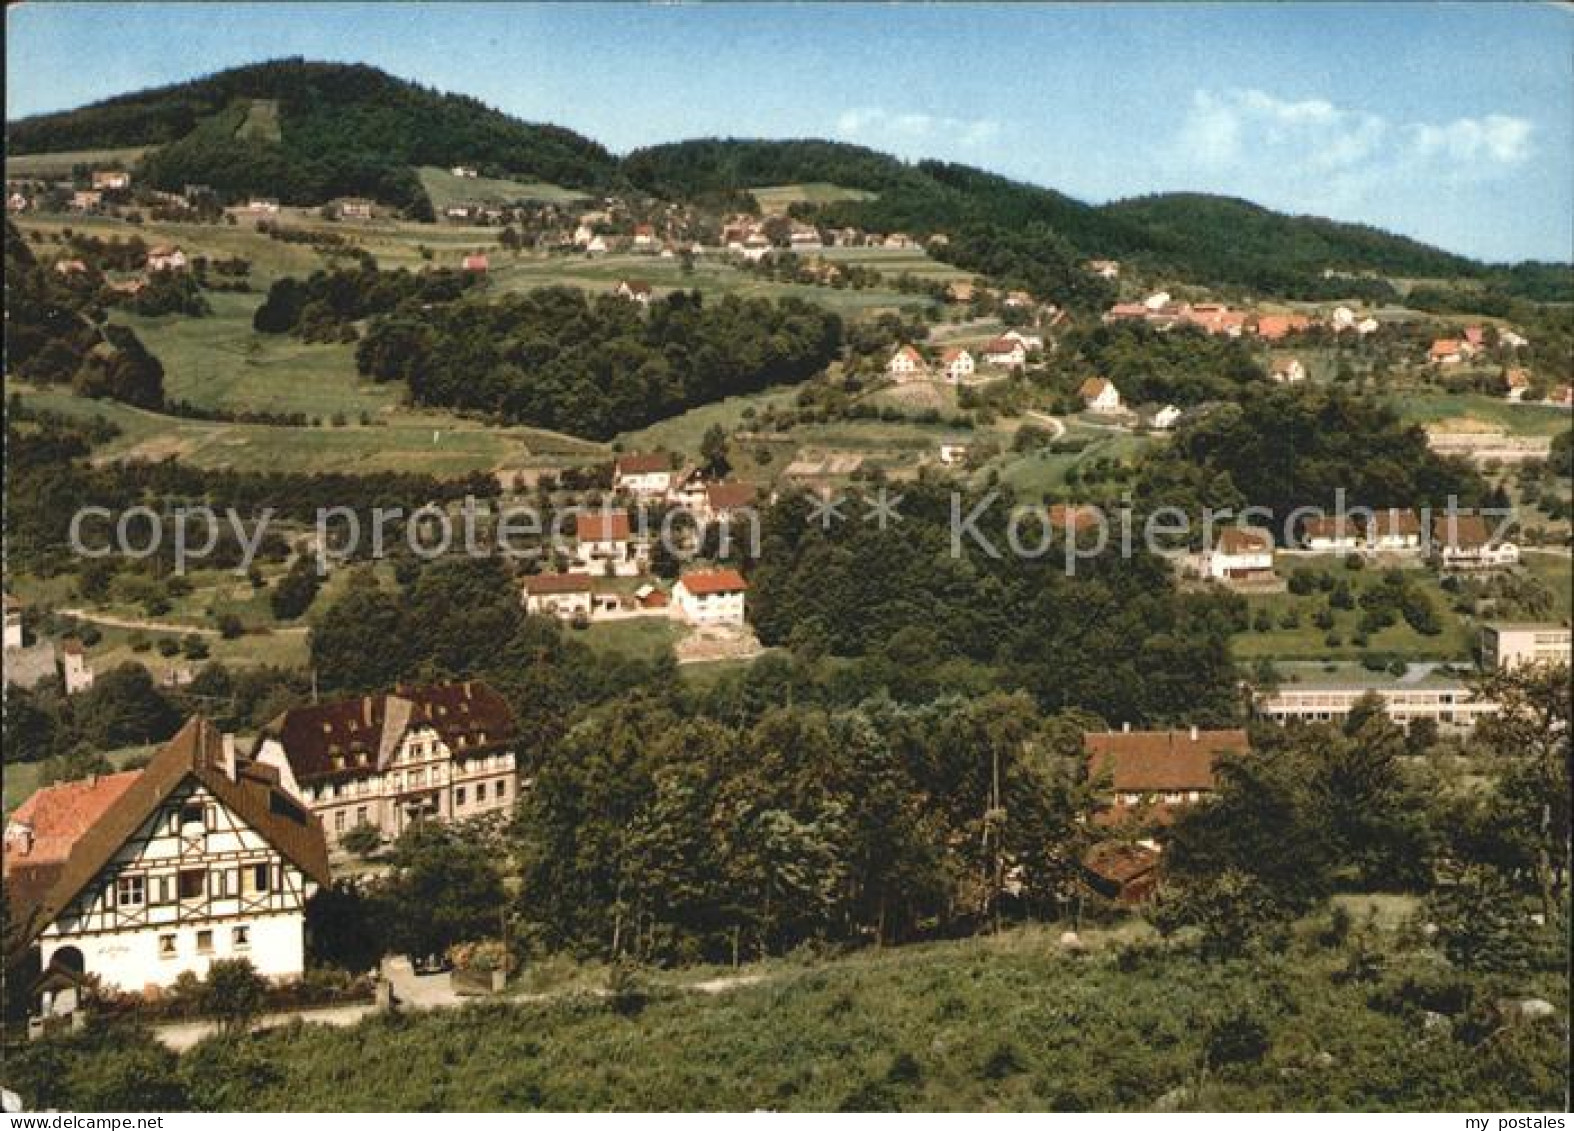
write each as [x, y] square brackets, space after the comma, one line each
[1289, 448]
[559, 359]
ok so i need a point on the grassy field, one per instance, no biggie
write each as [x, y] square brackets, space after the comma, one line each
[895, 261]
[1042, 471]
[22, 779]
[445, 189]
[642, 638]
[709, 274]
[54, 165]
[262, 121]
[777, 198]
[1004, 1023]
[1557, 572]
[1308, 642]
[1517, 419]
[220, 362]
[433, 442]
[682, 433]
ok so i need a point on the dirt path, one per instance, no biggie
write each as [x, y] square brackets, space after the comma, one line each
[113, 621]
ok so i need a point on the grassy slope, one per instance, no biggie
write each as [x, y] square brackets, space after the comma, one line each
[52, 165]
[776, 198]
[1307, 642]
[1006, 1023]
[1519, 420]
[443, 188]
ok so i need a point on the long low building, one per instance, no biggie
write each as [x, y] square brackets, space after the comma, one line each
[1446, 700]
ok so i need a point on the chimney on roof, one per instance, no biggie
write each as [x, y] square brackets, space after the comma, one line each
[1194, 732]
[227, 763]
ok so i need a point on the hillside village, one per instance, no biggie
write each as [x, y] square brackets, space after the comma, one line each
[747, 693]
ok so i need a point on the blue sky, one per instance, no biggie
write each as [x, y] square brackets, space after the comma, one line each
[1451, 123]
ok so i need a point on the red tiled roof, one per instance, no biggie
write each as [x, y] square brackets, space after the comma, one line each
[198, 752]
[545, 583]
[1093, 386]
[910, 353]
[642, 463]
[1004, 345]
[602, 526]
[1331, 526]
[1444, 347]
[1396, 520]
[57, 815]
[1465, 530]
[1237, 540]
[1154, 761]
[714, 581]
[729, 496]
[1118, 862]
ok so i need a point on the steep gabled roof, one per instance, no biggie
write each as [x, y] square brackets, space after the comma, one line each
[58, 815]
[542, 584]
[196, 753]
[642, 463]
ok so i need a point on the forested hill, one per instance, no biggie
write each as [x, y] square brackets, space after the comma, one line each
[305, 131]
[1198, 225]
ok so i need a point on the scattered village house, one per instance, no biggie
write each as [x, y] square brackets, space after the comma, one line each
[957, 364]
[139, 877]
[166, 257]
[1125, 873]
[1287, 370]
[634, 290]
[1100, 395]
[1273, 327]
[354, 208]
[85, 200]
[262, 206]
[1241, 554]
[1332, 534]
[647, 474]
[74, 668]
[905, 364]
[1446, 351]
[1466, 542]
[1393, 530]
[725, 501]
[710, 597]
[1147, 775]
[468, 172]
[111, 180]
[1508, 645]
[1007, 352]
[604, 544]
[446, 752]
[476, 263]
[1164, 418]
[566, 596]
[1516, 383]
[645, 237]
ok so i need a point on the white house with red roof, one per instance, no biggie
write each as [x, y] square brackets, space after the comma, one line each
[643, 473]
[477, 263]
[140, 877]
[957, 364]
[710, 597]
[1007, 352]
[633, 290]
[906, 363]
[1287, 370]
[1100, 395]
[566, 596]
[604, 544]
[1240, 554]
[166, 257]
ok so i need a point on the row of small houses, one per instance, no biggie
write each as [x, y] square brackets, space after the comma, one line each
[135, 879]
[958, 365]
[1456, 543]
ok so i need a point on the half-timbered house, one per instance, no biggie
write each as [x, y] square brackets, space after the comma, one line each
[201, 855]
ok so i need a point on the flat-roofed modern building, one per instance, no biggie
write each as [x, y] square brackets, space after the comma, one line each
[1515, 645]
[1445, 699]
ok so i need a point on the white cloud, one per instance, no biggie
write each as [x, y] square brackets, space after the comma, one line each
[903, 131]
[1496, 139]
[1316, 155]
